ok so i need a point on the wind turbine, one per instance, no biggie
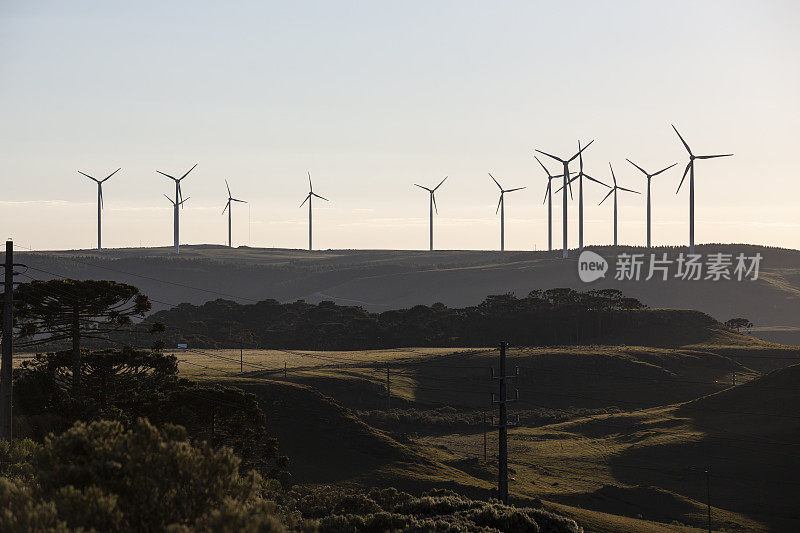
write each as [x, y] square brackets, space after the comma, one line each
[565, 176]
[175, 206]
[548, 199]
[690, 170]
[176, 203]
[228, 207]
[501, 208]
[614, 190]
[432, 203]
[308, 199]
[99, 202]
[649, 177]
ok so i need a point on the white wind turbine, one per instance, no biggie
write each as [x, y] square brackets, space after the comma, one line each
[565, 176]
[178, 202]
[432, 206]
[99, 203]
[649, 177]
[308, 199]
[548, 199]
[690, 170]
[613, 191]
[501, 208]
[229, 209]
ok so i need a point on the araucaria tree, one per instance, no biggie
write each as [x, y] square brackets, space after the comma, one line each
[61, 309]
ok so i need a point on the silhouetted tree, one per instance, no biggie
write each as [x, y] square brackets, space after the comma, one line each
[61, 309]
[738, 324]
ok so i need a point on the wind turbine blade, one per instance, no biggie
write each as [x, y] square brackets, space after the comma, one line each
[606, 196]
[713, 156]
[187, 172]
[581, 151]
[104, 179]
[580, 156]
[435, 207]
[681, 138]
[664, 170]
[100, 188]
[494, 180]
[517, 189]
[421, 187]
[184, 200]
[628, 190]
[684, 176]
[597, 181]
[180, 192]
[440, 183]
[550, 155]
[226, 207]
[307, 198]
[547, 190]
[320, 197]
[544, 167]
[310, 187]
[640, 168]
[612, 173]
[170, 199]
[88, 176]
[569, 184]
[498, 204]
[167, 175]
[229, 188]
[237, 200]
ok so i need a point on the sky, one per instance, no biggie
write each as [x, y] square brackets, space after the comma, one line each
[372, 97]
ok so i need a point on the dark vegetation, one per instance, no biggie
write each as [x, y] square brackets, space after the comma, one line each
[555, 316]
[114, 440]
[125, 385]
[448, 419]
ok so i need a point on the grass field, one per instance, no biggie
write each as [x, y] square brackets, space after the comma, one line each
[635, 467]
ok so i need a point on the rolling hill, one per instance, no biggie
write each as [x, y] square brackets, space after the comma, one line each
[388, 279]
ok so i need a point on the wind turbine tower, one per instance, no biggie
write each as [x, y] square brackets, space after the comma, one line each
[649, 177]
[178, 202]
[690, 170]
[613, 191]
[432, 206]
[229, 209]
[501, 208]
[99, 204]
[565, 176]
[175, 227]
[548, 199]
[308, 199]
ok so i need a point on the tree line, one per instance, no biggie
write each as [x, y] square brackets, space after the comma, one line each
[543, 317]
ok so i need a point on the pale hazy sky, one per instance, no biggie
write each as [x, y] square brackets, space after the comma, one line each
[374, 96]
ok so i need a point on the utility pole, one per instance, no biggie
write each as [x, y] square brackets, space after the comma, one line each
[284, 370]
[241, 358]
[6, 361]
[708, 499]
[388, 391]
[502, 427]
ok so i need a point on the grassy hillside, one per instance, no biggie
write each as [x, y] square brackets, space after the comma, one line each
[387, 279]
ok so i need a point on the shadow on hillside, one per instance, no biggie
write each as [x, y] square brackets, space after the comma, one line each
[748, 474]
[648, 503]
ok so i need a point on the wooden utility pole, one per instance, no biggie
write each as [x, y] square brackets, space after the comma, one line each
[502, 427]
[6, 361]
